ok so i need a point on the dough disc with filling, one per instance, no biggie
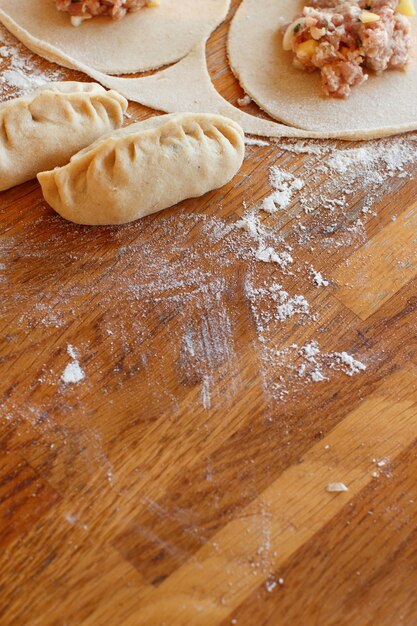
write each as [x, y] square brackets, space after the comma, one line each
[144, 40]
[293, 96]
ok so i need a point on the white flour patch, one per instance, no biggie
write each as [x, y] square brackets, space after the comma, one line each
[251, 223]
[20, 81]
[285, 185]
[71, 352]
[244, 102]
[318, 278]
[373, 161]
[336, 488]
[269, 255]
[250, 141]
[302, 146]
[290, 369]
[352, 366]
[73, 373]
[271, 304]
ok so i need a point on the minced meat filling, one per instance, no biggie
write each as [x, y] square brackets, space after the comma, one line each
[343, 39]
[85, 9]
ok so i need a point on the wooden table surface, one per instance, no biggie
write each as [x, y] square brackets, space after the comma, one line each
[184, 480]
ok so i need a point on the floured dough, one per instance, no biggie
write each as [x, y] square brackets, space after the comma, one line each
[146, 167]
[187, 86]
[45, 128]
[293, 96]
[144, 40]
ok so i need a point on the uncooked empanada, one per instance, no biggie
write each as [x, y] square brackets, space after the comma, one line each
[146, 167]
[45, 128]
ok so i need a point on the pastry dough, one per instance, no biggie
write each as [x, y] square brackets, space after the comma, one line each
[146, 167]
[294, 97]
[47, 127]
[145, 40]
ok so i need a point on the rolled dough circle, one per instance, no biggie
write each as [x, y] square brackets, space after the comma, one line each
[294, 97]
[145, 40]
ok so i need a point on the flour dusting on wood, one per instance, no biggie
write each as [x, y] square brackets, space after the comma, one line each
[21, 71]
[185, 272]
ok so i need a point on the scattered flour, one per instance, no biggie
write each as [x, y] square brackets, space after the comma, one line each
[267, 257]
[252, 224]
[373, 161]
[296, 305]
[281, 306]
[21, 81]
[285, 185]
[352, 365]
[245, 101]
[21, 71]
[318, 279]
[71, 352]
[297, 146]
[250, 141]
[270, 585]
[336, 487]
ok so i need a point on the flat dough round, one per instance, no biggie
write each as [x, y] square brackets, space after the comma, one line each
[293, 96]
[144, 40]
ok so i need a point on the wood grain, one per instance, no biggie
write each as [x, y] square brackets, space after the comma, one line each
[183, 481]
[383, 264]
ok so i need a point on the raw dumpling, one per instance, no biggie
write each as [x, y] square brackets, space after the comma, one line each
[146, 167]
[45, 128]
